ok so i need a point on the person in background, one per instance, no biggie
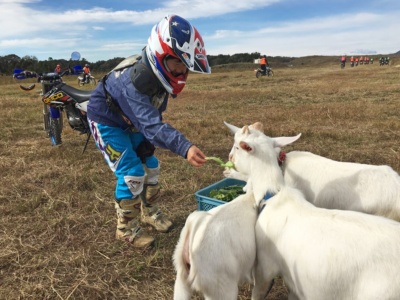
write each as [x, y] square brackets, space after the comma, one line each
[57, 69]
[352, 61]
[125, 118]
[343, 61]
[86, 73]
[263, 63]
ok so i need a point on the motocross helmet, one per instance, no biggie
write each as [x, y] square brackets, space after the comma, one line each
[174, 36]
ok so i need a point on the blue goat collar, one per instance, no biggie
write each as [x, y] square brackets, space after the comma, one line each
[263, 201]
[267, 196]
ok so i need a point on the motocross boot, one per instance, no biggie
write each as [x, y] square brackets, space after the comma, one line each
[128, 228]
[151, 214]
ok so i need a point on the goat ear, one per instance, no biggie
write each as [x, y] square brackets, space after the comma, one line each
[245, 130]
[258, 126]
[232, 128]
[285, 140]
[246, 147]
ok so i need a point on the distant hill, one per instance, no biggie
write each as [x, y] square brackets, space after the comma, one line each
[240, 60]
[295, 62]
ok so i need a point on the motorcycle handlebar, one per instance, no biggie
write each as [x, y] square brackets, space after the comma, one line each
[52, 75]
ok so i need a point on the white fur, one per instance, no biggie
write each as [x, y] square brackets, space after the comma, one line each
[219, 246]
[338, 185]
[320, 253]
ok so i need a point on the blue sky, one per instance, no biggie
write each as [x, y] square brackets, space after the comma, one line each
[104, 29]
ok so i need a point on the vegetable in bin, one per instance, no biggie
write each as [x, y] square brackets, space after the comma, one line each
[227, 193]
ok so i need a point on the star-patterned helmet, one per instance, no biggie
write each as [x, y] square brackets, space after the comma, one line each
[175, 36]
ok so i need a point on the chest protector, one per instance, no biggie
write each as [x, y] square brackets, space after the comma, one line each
[142, 78]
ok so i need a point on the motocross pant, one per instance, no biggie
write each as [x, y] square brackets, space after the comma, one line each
[119, 149]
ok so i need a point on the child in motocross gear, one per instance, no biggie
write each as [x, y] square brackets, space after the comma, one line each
[86, 72]
[125, 117]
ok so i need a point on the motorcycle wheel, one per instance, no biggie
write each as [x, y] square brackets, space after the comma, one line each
[80, 83]
[92, 81]
[52, 126]
[55, 129]
[258, 74]
[46, 116]
[270, 73]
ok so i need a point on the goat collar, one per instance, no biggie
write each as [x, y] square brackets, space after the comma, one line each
[281, 157]
[263, 202]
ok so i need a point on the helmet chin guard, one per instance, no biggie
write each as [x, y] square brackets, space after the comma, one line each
[175, 36]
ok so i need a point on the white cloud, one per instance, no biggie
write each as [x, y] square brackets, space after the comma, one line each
[29, 29]
[39, 42]
[121, 46]
[334, 35]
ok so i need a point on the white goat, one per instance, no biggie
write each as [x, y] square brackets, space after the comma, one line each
[320, 253]
[340, 185]
[216, 250]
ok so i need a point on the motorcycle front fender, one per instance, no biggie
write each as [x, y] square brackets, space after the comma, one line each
[54, 112]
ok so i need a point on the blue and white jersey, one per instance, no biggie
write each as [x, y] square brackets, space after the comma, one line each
[144, 113]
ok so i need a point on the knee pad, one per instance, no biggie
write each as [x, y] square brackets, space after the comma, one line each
[152, 174]
[135, 184]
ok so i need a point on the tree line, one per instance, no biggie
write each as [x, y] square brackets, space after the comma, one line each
[10, 62]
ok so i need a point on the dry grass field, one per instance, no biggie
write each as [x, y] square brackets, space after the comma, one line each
[58, 220]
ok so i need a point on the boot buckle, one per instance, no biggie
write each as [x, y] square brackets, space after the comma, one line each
[157, 215]
[133, 233]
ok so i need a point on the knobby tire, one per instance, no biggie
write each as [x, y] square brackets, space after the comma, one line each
[55, 130]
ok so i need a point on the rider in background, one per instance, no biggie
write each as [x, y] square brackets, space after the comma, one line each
[343, 61]
[57, 69]
[125, 117]
[352, 61]
[86, 72]
[263, 63]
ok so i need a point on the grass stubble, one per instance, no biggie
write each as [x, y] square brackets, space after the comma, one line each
[57, 222]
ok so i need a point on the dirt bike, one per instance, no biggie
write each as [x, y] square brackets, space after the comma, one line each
[342, 64]
[89, 80]
[58, 97]
[267, 72]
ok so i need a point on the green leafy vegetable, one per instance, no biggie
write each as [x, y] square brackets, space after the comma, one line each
[227, 193]
[228, 164]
